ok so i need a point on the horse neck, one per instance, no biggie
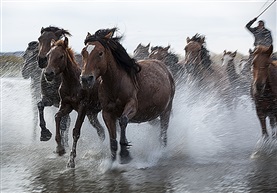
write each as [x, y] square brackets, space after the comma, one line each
[71, 73]
[113, 75]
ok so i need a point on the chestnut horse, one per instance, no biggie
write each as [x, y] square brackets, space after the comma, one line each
[264, 87]
[49, 91]
[130, 91]
[61, 61]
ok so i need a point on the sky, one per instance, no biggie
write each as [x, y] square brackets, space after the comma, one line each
[160, 23]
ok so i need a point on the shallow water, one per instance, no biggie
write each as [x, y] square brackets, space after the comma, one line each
[210, 149]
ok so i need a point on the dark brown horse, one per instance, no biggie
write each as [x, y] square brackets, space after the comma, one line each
[130, 91]
[49, 91]
[170, 59]
[61, 61]
[264, 87]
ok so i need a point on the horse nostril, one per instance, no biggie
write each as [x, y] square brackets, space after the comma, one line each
[49, 74]
[42, 62]
[87, 80]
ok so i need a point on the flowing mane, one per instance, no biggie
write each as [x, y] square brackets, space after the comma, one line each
[55, 29]
[118, 51]
[69, 52]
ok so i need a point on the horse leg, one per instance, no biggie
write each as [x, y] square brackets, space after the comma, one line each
[273, 125]
[165, 116]
[124, 144]
[95, 123]
[65, 123]
[262, 119]
[64, 110]
[110, 122]
[76, 135]
[128, 113]
[45, 133]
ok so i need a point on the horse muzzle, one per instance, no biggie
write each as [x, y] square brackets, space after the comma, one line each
[49, 75]
[87, 81]
[42, 62]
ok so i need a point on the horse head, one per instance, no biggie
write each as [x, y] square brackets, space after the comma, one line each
[47, 35]
[261, 62]
[57, 58]
[141, 52]
[159, 52]
[102, 50]
[228, 58]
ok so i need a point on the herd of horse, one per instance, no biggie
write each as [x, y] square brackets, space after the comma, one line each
[141, 88]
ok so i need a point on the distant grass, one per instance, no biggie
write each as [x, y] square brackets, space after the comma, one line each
[10, 65]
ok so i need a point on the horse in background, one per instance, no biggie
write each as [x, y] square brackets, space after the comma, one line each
[245, 65]
[197, 60]
[130, 91]
[49, 90]
[31, 70]
[264, 88]
[61, 61]
[163, 54]
[141, 52]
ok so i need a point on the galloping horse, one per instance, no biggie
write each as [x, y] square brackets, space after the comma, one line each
[141, 52]
[229, 67]
[61, 61]
[49, 91]
[264, 87]
[197, 58]
[170, 59]
[130, 91]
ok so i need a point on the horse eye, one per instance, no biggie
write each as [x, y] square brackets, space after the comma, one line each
[100, 54]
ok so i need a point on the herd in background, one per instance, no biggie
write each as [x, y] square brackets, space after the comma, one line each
[226, 79]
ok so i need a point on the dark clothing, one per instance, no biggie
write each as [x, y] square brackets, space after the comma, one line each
[262, 36]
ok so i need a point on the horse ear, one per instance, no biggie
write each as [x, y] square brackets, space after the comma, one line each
[42, 29]
[188, 39]
[109, 35]
[224, 52]
[148, 45]
[59, 33]
[202, 40]
[88, 34]
[52, 42]
[66, 42]
[270, 50]
[167, 48]
[234, 53]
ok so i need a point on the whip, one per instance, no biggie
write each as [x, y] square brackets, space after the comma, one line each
[266, 8]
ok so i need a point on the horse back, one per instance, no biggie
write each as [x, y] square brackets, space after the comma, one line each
[156, 88]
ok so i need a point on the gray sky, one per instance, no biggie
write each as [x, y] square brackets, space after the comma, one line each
[158, 22]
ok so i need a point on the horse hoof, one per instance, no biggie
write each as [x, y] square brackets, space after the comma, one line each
[71, 164]
[60, 151]
[125, 160]
[45, 135]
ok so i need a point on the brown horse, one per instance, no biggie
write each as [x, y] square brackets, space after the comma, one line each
[49, 91]
[264, 87]
[170, 59]
[130, 91]
[197, 58]
[61, 61]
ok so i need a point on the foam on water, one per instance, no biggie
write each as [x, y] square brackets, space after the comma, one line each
[201, 127]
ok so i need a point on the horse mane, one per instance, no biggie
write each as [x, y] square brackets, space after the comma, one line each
[55, 29]
[69, 51]
[118, 51]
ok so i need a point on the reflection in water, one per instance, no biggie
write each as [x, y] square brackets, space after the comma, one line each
[209, 149]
